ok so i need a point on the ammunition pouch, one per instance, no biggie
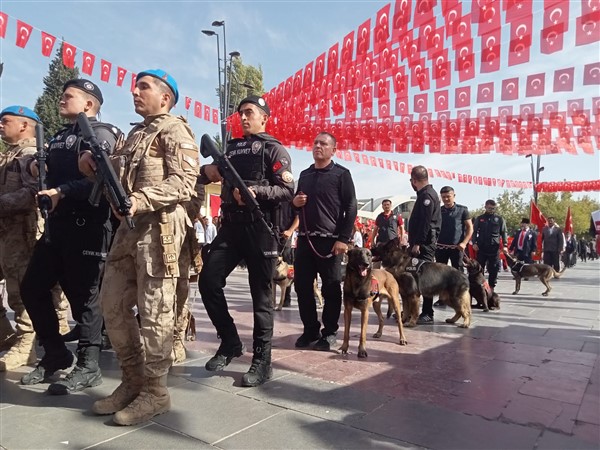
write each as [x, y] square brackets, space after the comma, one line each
[167, 242]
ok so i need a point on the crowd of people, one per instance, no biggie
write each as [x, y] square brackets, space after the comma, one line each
[127, 271]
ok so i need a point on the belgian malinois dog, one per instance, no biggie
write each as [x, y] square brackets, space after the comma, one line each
[521, 270]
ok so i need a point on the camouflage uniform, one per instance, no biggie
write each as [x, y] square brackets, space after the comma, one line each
[18, 228]
[158, 167]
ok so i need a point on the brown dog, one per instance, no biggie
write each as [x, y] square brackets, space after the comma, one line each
[282, 278]
[521, 270]
[431, 278]
[479, 288]
[363, 287]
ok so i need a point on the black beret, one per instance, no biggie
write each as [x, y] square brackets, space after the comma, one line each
[258, 101]
[86, 86]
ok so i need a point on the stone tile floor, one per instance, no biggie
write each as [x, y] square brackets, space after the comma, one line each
[524, 377]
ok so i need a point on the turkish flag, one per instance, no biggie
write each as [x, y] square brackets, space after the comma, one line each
[441, 69]
[423, 12]
[87, 65]
[133, 82]
[487, 16]
[527, 111]
[333, 59]
[198, 109]
[400, 82]
[441, 100]
[587, 28]
[420, 103]
[490, 51]
[465, 61]
[591, 73]
[207, 113]
[23, 33]
[435, 42]
[188, 102]
[462, 97]
[420, 75]
[68, 55]
[120, 75]
[307, 77]
[3, 24]
[363, 39]
[520, 40]
[516, 9]
[485, 92]
[319, 68]
[505, 113]
[461, 30]
[382, 29]
[551, 39]
[347, 50]
[564, 79]
[402, 14]
[549, 108]
[47, 43]
[401, 106]
[215, 115]
[536, 85]
[452, 14]
[537, 218]
[510, 89]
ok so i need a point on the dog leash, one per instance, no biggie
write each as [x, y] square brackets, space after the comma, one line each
[329, 255]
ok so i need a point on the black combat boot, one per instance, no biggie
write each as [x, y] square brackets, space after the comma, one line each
[52, 361]
[260, 370]
[72, 335]
[86, 373]
[224, 355]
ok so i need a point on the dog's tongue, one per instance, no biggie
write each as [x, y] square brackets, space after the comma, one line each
[363, 272]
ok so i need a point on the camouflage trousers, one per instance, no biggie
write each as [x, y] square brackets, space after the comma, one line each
[135, 277]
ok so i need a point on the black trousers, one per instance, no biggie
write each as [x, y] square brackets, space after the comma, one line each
[234, 242]
[74, 258]
[454, 255]
[492, 259]
[306, 268]
[427, 253]
[552, 259]
[523, 256]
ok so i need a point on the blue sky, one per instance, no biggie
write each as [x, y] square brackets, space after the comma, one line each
[281, 37]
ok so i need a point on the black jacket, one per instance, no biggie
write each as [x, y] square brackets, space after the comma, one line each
[425, 219]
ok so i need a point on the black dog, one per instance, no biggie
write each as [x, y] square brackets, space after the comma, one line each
[478, 286]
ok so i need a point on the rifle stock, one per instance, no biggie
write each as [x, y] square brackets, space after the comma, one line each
[209, 149]
[105, 174]
[44, 201]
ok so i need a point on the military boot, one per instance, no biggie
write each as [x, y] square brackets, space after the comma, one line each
[225, 353]
[50, 363]
[179, 354]
[22, 353]
[132, 380]
[153, 400]
[8, 336]
[86, 373]
[260, 370]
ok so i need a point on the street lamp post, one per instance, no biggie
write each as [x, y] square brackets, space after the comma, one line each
[220, 91]
[223, 87]
[535, 175]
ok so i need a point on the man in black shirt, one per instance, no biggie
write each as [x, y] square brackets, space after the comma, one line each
[488, 229]
[456, 230]
[423, 228]
[76, 251]
[327, 202]
[388, 225]
[265, 166]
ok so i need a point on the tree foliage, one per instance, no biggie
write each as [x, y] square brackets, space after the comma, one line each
[46, 105]
[242, 77]
[513, 207]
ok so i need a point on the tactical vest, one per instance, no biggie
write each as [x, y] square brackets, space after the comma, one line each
[388, 228]
[142, 160]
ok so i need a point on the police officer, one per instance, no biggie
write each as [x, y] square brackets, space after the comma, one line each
[388, 225]
[423, 229]
[327, 205]
[488, 229]
[455, 232]
[79, 235]
[265, 166]
[18, 227]
[159, 166]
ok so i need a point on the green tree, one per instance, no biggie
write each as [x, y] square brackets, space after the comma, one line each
[555, 205]
[245, 80]
[46, 105]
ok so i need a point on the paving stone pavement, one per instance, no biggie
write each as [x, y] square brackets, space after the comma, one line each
[524, 377]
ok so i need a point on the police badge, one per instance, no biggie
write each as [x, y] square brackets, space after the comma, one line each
[71, 139]
[256, 146]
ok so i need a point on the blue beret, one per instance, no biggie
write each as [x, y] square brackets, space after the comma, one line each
[86, 86]
[21, 111]
[162, 76]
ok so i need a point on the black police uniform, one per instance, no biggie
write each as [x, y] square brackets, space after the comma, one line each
[423, 230]
[263, 163]
[75, 255]
[452, 232]
[327, 217]
[487, 231]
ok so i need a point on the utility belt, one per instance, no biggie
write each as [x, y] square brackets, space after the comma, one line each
[79, 218]
[318, 234]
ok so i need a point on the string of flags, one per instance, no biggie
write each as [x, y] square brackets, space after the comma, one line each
[88, 63]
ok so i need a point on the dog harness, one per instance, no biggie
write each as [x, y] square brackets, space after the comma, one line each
[518, 267]
[374, 289]
[416, 266]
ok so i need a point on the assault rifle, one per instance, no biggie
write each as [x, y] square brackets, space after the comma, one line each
[209, 149]
[105, 174]
[44, 201]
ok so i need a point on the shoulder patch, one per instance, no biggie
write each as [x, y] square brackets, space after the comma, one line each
[287, 177]
[427, 202]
